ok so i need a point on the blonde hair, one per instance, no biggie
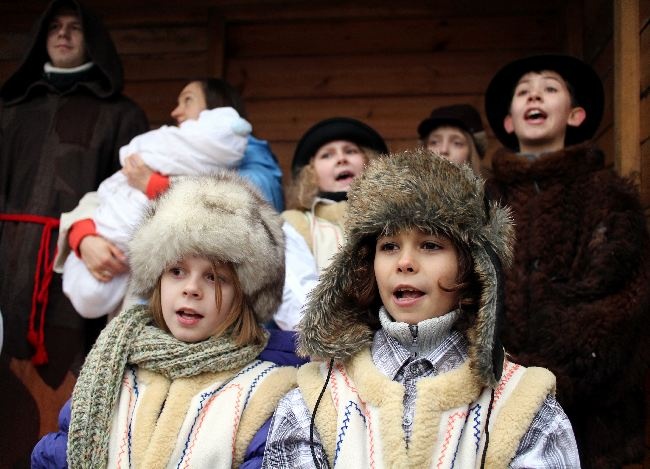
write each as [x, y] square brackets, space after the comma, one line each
[474, 159]
[304, 187]
[240, 321]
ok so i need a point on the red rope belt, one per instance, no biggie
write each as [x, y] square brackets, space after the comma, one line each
[42, 279]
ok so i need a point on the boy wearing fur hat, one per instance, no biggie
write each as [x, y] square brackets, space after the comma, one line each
[577, 296]
[405, 320]
[455, 132]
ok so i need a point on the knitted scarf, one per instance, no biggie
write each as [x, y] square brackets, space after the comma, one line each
[131, 338]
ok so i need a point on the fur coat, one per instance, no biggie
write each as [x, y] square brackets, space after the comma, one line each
[577, 295]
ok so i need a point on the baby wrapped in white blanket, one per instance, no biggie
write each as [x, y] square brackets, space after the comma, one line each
[216, 140]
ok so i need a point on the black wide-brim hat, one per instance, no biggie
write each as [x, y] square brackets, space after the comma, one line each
[586, 87]
[335, 128]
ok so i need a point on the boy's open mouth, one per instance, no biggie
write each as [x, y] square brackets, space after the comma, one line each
[403, 293]
[535, 115]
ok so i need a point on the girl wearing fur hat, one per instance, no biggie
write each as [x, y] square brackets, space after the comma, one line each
[455, 132]
[405, 320]
[328, 157]
[184, 380]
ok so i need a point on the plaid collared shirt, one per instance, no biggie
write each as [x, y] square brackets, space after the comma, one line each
[548, 443]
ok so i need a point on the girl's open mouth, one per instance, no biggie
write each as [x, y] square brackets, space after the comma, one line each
[188, 317]
[345, 176]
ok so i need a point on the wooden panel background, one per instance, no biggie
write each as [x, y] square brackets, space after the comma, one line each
[387, 63]
[644, 26]
[389, 70]
[297, 62]
[300, 61]
[599, 52]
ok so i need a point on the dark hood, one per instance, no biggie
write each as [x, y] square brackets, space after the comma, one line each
[108, 79]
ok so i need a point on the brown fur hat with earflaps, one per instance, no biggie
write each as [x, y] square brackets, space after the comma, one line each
[413, 189]
[223, 218]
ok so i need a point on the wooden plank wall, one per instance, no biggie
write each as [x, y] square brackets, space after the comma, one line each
[598, 50]
[385, 66]
[644, 134]
[297, 62]
[644, 33]
[384, 62]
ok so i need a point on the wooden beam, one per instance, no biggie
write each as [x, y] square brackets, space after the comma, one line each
[378, 75]
[573, 28]
[216, 43]
[371, 36]
[626, 89]
[394, 117]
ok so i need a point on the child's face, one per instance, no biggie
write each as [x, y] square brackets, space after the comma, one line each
[188, 299]
[450, 143]
[540, 112]
[410, 268]
[191, 102]
[336, 165]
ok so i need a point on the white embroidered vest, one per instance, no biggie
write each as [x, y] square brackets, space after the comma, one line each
[321, 227]
[326, 239]
[361, 424]
[206, 421]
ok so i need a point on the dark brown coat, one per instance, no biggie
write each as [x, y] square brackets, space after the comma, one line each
[578, 294]
[54, 147]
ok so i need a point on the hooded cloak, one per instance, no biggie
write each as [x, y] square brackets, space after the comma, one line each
[54, 147]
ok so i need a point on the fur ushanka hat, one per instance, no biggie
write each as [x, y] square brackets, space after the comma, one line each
[221, 217]
[413, 189]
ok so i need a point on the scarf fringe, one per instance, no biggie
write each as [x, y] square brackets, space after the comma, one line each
[131, 338]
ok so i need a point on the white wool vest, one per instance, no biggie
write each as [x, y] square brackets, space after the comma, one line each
[326, 238]
[321, 227]
[206, 421]
[360, 424]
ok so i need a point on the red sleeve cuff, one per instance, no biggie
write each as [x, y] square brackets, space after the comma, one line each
[157, 185]
[78, 231]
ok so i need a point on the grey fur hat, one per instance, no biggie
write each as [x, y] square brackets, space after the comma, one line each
[413, 189]
[221, 217]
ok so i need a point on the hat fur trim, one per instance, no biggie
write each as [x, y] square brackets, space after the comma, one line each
[221, 217]
[412, 189]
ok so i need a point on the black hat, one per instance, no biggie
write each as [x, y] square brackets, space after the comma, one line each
[335, 128]
[586, 87]
[463, 116]
[459, 115]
